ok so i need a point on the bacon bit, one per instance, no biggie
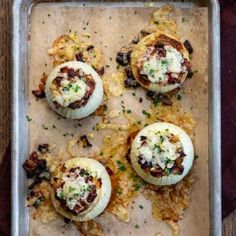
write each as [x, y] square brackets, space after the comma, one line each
[98, 183]
[79, 57]
[43, 148]
[30, 168]
[91, 47]
[64, 69]
[174, 43]
[57, 105]
[190, 73]
[63, 167]
[188, 46]
[187, 63]
[127, 157]
[58, 80]
[174, 139]
[101, 110]
[123, 58]
[71, 73]
[85, 141]
[131, 137]
[109, 171]
[161, 52]
[67, 221]
[91, 197]
[173, 80]
[39, 93]
[101, 71]
[83, 102]
[34, 156]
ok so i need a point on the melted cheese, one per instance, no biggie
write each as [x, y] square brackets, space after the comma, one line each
[156, 67]
[70, 92]
[73, 189]
[159, 150]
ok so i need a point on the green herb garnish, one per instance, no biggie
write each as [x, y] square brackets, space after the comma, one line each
[141, 207]
[38, 202]
[121, 166]
[146, 114]
[28, 118]
[44, 127]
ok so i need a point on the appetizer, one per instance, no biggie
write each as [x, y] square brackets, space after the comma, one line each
[162, 154]
[74, 90]
[160, 62]
[81, 189]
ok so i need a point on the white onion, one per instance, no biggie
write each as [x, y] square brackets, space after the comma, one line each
[94, 100]
[187, 148]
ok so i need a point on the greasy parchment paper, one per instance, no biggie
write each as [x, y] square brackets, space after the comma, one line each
[110, 28]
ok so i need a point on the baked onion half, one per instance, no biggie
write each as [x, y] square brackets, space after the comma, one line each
[162, 154]
[160, 62]
[74, 90]
[81, 189]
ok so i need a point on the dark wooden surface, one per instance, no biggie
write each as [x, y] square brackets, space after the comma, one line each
[229, 223]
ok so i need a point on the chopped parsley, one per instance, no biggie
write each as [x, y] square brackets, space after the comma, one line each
[121, 166]
[136, 187]
[167, 171]
[158, 148]
[141, 207]
[44, 127]
[119, 191]
[77, 88]
[178, 96]
[151, 72]
[136, 226]
[164, 62]
[28, 118]
[147, 114]
[183, 20]
[156, 101]
[71, 189]
[38, 202]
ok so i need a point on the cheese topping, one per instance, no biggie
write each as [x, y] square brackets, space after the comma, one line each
[156, 67]
[76, 189]
[70, 92]
[159, 149]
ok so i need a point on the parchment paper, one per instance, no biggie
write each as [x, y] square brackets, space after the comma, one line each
[110, 28]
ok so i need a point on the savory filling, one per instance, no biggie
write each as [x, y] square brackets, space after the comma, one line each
[161, 153]
[77, 190]
[163, 64]
[72, 88]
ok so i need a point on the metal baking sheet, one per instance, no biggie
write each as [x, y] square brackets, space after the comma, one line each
[21, 11]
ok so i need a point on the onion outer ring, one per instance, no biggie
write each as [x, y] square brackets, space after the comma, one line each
[187, 148]
[141, 48]
[104, 194]
[94, 100]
